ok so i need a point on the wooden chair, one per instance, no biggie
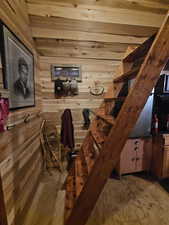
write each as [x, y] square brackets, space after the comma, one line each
[51, 147]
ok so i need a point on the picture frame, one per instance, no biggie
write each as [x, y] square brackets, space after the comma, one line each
[18, 69]
[66, 71]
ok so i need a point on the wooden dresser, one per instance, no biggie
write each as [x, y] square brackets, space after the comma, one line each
[160, 158]
[136, 156]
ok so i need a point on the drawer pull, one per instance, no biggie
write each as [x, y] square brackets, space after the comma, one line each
[137, 159]
[133, 159]
[136, 148]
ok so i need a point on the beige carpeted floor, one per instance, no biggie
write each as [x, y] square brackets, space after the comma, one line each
[129, 201]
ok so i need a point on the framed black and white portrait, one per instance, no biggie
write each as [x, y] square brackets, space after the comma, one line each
[18, 64]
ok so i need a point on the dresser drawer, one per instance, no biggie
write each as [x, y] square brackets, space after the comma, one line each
[139, 152]
[138, 145]
[131, 159]
[127, 158]
[166, 162]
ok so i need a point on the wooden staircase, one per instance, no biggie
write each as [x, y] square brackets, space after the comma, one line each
[106, 137]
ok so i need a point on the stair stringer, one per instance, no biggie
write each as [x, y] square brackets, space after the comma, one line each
[132, 107]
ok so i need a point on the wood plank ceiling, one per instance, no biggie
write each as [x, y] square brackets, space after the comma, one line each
[93, 29]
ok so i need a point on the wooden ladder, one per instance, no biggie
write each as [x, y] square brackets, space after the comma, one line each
[101, 149]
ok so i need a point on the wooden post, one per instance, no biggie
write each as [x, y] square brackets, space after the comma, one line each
[109, 156]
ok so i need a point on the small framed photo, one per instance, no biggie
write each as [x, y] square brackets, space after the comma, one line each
[18, 70]
[66, 72]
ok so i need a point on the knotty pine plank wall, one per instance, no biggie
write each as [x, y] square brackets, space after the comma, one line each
[20, 155]
[92, 70]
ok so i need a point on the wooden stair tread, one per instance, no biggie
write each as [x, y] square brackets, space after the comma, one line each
[97, 135]
[141, 51]
[70, 192]
[108, 118]
[89, 161]
[84, 165]
[80, 177]
[86, 161]
[98, 145]
[128, 75]
[101, 114]
[87, 153]
[109, 98]
[110, 94]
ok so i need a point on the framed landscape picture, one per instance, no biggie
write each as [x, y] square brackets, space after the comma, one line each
[18, 68]
[66, 72]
